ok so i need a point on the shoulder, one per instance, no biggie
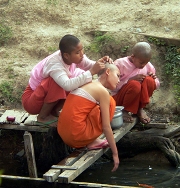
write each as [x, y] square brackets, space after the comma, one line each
[121, 62]
[102, 92]
[97, 90]
[149, 65]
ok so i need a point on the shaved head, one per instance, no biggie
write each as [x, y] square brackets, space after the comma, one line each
[112, 67]
[142, 50]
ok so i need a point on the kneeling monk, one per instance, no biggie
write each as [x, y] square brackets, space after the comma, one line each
[87, 113]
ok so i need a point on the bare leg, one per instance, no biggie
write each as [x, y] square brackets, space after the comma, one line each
[126, 117]
[143, 116]
[58, 107]
[45, 113]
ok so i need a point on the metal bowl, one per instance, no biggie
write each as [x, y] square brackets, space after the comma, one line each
[117, 120]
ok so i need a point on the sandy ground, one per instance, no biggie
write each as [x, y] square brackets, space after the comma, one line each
[38, 26]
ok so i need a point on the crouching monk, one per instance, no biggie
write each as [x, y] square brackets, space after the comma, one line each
[87, 113]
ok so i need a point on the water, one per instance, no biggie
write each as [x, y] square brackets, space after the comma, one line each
[131, 172]
[128, 174]
[157, 174]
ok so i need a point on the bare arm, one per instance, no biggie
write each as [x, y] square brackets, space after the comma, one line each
[104, 107]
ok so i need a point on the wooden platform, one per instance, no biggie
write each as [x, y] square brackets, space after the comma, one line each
[69, 168]
[79, 161]
[21, 121]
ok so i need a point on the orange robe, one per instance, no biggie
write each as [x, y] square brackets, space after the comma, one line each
[135, 95]
[32, 101]
[79, 123]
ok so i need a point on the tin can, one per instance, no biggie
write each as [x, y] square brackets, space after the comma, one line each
[10, 118]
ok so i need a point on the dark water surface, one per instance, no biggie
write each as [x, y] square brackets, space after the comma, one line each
[159, 175]
[129, 173]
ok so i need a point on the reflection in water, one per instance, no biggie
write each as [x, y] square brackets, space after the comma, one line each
[160, 175]
[129, 173]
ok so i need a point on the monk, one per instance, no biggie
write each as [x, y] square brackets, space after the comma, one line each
[138, 82]
[55, 76]
[87, 113]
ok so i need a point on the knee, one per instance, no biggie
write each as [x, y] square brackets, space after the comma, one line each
[134, 86]
[149, 79]
[150, 82]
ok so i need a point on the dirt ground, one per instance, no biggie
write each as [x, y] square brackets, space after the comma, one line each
[38, 26]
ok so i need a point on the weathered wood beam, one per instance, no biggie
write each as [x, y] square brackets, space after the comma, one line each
[29, 149]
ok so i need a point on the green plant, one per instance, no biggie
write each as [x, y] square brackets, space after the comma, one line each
[51, 49]
[157, 41]
[5, 33]
[51, 2]
[172, 68]
[124, 49]
[6, 89]
[100, 40]
[10, 71]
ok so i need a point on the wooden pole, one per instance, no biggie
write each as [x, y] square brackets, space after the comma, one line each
[29, 149]
[87, 184]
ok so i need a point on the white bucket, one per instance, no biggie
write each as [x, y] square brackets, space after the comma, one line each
[117, 120]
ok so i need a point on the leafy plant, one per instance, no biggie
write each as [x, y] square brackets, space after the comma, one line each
[172, 68]
[100, 40]
[124, 49]
[157, 41]
[6, 89]
[5, 33]
[11, 73]
[172, 64]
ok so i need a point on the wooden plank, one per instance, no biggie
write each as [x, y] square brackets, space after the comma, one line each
[61, 167]
[91, 156]
[87, 184]
[126, 127]
[23, 127]
[30, 119]
[20, 116]
[72, 158]
[82, 164]
[29, 149]
[52, 174]
[157, 125]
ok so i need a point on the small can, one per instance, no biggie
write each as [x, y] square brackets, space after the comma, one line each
[10, 118]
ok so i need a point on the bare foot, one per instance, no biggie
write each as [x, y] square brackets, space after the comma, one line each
[98, 144]
[48, 120]
[144, 118]
[126, 117]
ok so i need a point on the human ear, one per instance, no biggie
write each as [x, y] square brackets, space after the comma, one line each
[66, 55]
[107, 71]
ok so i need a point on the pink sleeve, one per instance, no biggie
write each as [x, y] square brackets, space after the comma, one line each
[75, 71]
[86, 63]
[151, 68]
